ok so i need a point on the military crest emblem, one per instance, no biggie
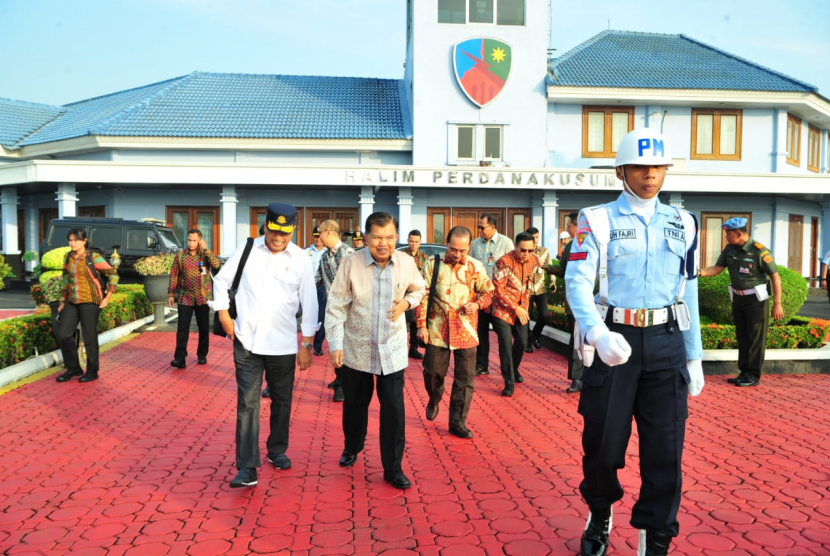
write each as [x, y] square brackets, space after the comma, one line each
[482, 68]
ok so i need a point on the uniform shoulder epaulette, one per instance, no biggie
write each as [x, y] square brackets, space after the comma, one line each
[758, 246]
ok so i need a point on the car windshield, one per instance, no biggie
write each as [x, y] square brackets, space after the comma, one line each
[169, 240]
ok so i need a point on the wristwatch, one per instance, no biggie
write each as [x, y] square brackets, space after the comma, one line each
[307, 345]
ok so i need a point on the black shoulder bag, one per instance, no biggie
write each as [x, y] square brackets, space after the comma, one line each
[432, 285]
[217, 324]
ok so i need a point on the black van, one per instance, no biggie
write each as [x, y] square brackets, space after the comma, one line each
[133, 238]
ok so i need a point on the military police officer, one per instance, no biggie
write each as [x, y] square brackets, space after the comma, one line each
[749, 264]
[644, 327]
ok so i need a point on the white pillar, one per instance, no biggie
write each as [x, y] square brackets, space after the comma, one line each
[405, 212]
[676, 200]
[31, 219]
[67, 200]
[550, 217]
[779, 141]
[367, 205]
[8, 217]
[228, 199]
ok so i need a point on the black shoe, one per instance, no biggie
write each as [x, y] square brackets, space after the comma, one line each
[202, 361]
[398, 480]
[415, 354]
[519, 378]
[432, 412]
[178, 363]
[657, 544]
[575, 387]
[267, 392]
[318, 352]
[245, 478]
[280, 461]
[339, 396]
[508, 390]
[746, 381]
[333, 384]
[347, 459]
[69, 375]
[735, 379]
[89, 377]
[482, 371]
[537, 343]
[529, 349]
[461, 431]
[595, 538]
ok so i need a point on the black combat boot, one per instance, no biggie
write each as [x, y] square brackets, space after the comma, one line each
[595, 538]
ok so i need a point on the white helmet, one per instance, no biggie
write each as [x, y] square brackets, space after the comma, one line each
[644, 146]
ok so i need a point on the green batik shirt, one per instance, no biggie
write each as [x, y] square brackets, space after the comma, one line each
[748, 265]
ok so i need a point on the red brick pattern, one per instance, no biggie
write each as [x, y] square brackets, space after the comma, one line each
[138, 463]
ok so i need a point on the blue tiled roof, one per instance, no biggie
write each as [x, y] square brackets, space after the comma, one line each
[19, 119]
[239, 106]
[655, 61]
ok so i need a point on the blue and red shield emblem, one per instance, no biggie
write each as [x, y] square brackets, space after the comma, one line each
[482, 66]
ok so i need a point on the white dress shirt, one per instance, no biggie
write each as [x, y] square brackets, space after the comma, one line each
[272, 288]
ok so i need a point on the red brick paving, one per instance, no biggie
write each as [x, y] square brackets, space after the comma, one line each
[139, 463]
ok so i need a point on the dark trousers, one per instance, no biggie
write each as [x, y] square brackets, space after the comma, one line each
[87, 315]
[510, 356]
[483, 349]
[183, 330]
[358, 388]
[751, 322]
[436, 365]
[541, 302]
[320, 335]
[651, 387]
[279, 373]
[574, 361]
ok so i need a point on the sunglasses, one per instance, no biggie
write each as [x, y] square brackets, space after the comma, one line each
[526, 250]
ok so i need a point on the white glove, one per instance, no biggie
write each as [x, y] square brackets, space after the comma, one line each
[611, 346]
[695, 367]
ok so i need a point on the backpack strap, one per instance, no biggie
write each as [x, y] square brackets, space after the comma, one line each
[248, 246]
[691, 261]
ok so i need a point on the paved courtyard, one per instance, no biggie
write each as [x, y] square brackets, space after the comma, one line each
[139, 461]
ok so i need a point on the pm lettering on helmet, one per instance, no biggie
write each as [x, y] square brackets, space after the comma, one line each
[655, 145]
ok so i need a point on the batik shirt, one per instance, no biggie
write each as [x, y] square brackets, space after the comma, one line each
[329, 263]
[196, 282]
[512, 281]
[420, 258]
[457, 284]
[537, 280]
[80, 284]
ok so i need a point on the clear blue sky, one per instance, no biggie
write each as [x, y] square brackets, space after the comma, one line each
[60, 51]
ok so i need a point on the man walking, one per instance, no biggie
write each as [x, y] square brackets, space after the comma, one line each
[512, 278]
[420, 257]
[367, 341]
[336, 252]
[574, 360]
[447, 324]
[539, 291]
[316, 251]
[276, 279]
[644, 328]
[488, 248]
[749, 264]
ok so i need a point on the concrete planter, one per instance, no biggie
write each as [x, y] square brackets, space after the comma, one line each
[155, 287]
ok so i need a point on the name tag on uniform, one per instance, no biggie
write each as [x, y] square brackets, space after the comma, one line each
[623, 234]
[743, 270]
[675, 234]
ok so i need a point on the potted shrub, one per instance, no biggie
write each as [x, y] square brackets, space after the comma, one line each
[5, 272]
[156, 273]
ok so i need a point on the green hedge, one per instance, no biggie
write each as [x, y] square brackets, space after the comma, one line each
[21, 336]
[713, 296]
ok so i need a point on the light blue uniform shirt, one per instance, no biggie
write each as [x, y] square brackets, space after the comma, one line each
[644, 267]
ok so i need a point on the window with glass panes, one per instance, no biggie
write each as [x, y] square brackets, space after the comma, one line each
[716, 134]
[813, 148]
[500, 12]
[793, 140]
[603, 127]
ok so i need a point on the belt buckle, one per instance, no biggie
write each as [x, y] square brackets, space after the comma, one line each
[640, 318]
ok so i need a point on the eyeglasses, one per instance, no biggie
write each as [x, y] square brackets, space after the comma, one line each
[485, 227]
[385, 239]
[526, 250]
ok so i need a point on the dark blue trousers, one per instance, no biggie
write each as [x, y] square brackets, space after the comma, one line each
[651, 387]
[320, 335]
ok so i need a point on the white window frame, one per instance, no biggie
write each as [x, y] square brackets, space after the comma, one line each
[478, 143]
[495, 15]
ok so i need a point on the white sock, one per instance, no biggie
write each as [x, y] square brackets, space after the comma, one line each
[641, 546]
